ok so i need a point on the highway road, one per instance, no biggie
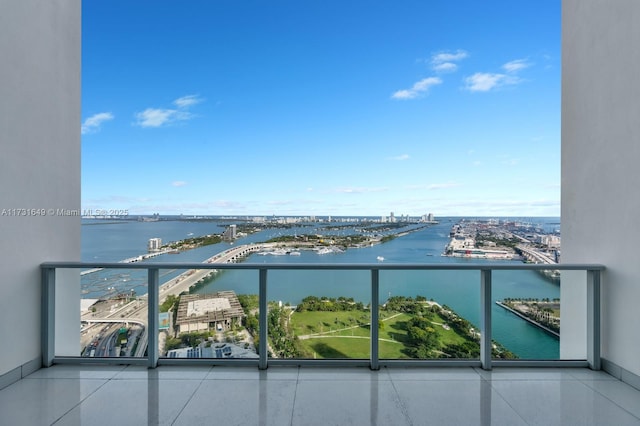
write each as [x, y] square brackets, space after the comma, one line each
[137, 310]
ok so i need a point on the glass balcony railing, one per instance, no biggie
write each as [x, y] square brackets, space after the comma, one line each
[473, 314]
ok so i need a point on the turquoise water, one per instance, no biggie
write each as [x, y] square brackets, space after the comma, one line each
[458, 289]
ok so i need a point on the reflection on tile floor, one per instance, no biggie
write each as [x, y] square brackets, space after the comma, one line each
[82, 395]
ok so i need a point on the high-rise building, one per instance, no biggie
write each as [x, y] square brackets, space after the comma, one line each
[154, 245]
[230, 233]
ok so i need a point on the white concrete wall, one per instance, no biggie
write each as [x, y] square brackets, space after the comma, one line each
[39, 161]
[601, 161]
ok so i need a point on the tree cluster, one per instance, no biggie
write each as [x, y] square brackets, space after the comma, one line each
[422, 337]
[328, 304]
[408, 305]
[284, 343]
[186, 340]
[170, 303]
[249, 302]
[187, 243]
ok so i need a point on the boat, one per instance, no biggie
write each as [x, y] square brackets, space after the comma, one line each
[380, 259]
[294, 253]
[276, 252]
[324, 250]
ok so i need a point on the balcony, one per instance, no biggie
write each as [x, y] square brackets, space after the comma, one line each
[42, 169]
[477, 281]
[159, 390]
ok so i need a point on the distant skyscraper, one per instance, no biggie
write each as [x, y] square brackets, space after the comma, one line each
[154, 244]
[431, 217]
[392, 217]
[230, 233]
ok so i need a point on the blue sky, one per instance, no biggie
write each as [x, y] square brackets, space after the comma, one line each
[322, 107]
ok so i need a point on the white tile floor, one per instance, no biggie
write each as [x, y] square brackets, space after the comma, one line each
[81, 395]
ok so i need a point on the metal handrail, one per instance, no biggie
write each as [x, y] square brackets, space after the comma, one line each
[593, 311]
[331, 266]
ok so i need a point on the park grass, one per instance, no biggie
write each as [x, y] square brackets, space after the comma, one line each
[345, 334]
[311, 322]
[352, 348]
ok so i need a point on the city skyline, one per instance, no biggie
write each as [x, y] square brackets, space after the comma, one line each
[322, 109]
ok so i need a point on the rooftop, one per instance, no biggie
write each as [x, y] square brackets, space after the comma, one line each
[220, 306]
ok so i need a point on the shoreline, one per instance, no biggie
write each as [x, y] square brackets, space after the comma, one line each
[524, 317]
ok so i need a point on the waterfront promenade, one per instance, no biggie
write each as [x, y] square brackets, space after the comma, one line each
[524, 317]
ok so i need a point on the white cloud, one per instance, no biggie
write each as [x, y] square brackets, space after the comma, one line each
[178, 183]
[350, 190]
[443, 57]
[226, 204]
[445, 67]
[433, 186]
[516, 65]
[445, 62]
[483, 81]
[419, 88]
[280, 202]
[403, 94]
[486, 81]
[400, 157]
[500, 207]
[157, 117]
[187, 101]
[93, 123]
[154, 117]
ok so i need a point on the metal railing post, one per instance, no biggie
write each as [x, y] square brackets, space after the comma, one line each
[48, 315]
[375, 318]
[153, 321]
[262, 320]
[593, 319]
[485, 318]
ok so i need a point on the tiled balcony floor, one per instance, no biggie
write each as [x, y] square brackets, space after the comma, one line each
[119, 395]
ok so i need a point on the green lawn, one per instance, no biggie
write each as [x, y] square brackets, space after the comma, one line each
[348, 347]
[345, 334]
[312, 322]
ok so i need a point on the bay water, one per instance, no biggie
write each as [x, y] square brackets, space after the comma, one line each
[110, 242]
